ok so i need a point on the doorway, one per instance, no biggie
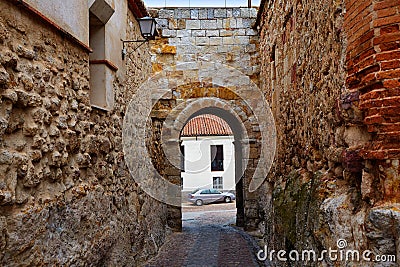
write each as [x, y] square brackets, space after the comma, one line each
[211, 167]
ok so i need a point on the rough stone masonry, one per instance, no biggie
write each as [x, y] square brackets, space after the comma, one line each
[329, 70]
[66, 196]
[222, 35]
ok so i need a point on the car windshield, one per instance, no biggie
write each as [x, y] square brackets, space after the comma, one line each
[194, 191]
[214, 191]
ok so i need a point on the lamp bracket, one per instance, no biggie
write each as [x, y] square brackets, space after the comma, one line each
[133, 41]
[124, 53]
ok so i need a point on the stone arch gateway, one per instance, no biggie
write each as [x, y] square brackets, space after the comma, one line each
[165, 102]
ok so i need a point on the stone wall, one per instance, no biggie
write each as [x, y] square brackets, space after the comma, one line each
[194, 60]
[66, 196]
[222, 35]
[323, 189]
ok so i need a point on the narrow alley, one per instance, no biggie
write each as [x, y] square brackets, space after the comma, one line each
[95, 162]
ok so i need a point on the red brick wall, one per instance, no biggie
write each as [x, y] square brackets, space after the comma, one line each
[373, 71]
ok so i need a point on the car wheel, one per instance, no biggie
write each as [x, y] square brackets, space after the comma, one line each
[228, 199]
[199, 202]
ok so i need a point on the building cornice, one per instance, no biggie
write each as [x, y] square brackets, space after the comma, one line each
[138, 8]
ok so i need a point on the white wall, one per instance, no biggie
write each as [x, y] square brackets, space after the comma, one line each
[198, 172]
[71, 15]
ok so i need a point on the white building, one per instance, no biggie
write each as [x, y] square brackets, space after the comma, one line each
[209, 154]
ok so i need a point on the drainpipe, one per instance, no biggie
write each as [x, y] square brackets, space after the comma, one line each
[249, 3]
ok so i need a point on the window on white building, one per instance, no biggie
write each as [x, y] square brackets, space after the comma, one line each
[217, 158]
[218, 183]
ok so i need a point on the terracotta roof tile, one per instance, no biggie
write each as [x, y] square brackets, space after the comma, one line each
[206, 124]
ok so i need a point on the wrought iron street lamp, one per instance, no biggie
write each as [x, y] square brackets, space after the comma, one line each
[147, 29]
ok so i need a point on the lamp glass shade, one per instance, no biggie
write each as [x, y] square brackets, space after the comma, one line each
[147, 27]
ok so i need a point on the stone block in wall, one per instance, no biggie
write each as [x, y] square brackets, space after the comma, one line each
[223, 33]
[203, 13]
[239, 23]
[202, 41]
[238, 32]
[188, 41]
[177, 24]
[194, 14]
[210, 33]
[173, 24]
[198, 33]
[229, 23]
[183, 33]
[251, 32]
[187, 49]
[182, 13]
[188, 66]
[168, 33]
[208, 24]
[220, 13]
[224, 48]
[228, 40]
[166, 13]
[245, 12]
[156, 67]
[215, 40]
[192, 24]
[210, 13]
[236, 12]
[241, 40]
[220, 23]
[247, 23]
[253, 12]
[168, 49]
[186, 58]
[172, 41]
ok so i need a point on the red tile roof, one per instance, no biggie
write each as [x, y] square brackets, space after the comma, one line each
[206, 125]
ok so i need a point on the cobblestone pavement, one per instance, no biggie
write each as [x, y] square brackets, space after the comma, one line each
[208, 239]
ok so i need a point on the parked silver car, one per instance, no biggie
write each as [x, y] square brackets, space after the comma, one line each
[204, 196]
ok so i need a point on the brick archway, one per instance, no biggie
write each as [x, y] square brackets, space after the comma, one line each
[177, 94]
